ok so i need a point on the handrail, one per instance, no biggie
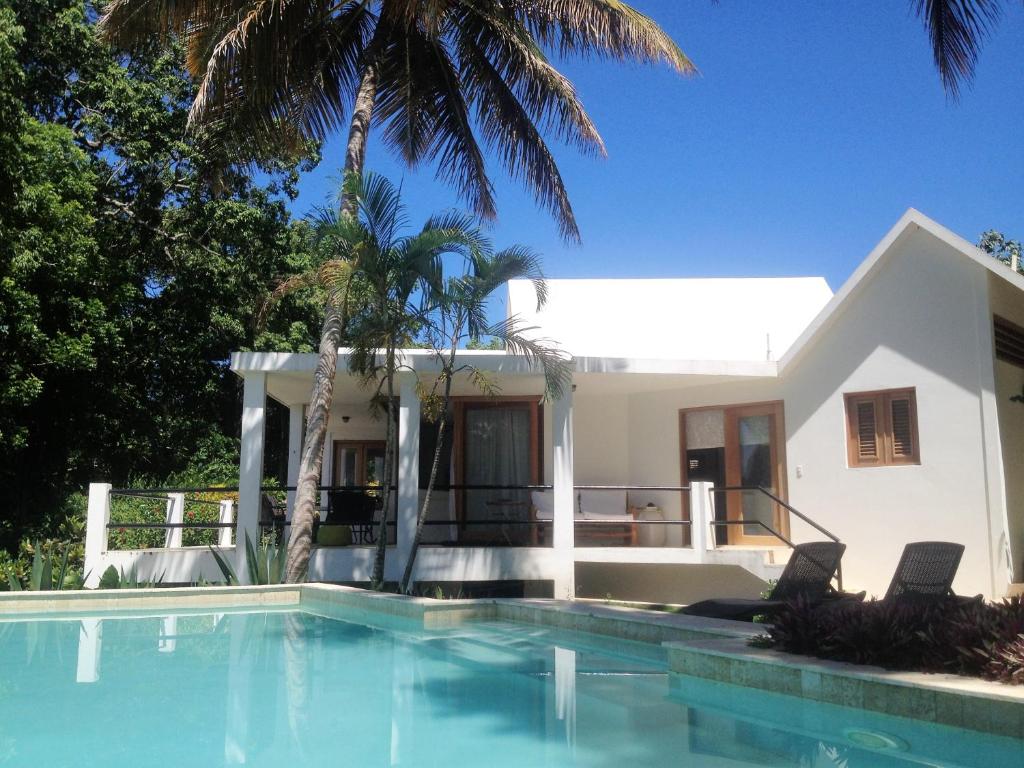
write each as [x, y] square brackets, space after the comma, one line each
[789, 508]
[782, 504]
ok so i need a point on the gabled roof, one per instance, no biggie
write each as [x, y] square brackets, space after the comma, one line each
[911, 221]
[701, 319]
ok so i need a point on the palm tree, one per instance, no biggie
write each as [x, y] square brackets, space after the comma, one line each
[382, 283]
[459, 315]
[956, 29]
[433, 75]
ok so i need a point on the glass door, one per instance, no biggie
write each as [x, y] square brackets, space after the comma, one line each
[754, 460]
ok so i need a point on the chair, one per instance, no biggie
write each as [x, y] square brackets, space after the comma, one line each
[272, 515]
[807, 575]
[925, 572]
[355, 509]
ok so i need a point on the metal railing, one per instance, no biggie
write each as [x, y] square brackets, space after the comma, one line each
[771, 531]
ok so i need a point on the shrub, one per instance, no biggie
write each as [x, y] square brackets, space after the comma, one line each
[962, 637]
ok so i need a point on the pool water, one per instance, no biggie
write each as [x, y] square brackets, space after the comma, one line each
[294, 689]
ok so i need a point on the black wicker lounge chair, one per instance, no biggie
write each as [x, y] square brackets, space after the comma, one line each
[808, 576]
[925, 572]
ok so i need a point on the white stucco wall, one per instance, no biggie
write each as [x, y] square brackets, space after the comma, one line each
[1007, 303]
[914, 323]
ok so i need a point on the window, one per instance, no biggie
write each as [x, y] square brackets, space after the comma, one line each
[1009, 340]
[882, 428]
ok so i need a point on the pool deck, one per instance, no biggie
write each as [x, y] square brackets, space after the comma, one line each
[696, 647]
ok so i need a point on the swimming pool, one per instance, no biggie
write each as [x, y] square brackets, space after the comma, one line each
[292, 688]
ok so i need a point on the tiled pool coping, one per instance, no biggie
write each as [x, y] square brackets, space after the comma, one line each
[705, 648]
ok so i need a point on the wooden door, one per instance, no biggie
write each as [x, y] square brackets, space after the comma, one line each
[754, 456]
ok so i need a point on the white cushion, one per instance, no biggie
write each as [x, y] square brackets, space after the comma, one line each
[603, 504]
[544, 503]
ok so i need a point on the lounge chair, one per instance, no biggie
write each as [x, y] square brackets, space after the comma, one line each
[925, 572]
[807, 575]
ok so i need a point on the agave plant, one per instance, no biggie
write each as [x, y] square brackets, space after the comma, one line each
[266, 564]
[113, 578]
[43, 576]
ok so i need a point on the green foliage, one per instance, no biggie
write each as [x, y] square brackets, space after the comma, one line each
[1007, 251]
[112, 578]
[962, 637]
[265, 563]
[132, 261]
[48, 571]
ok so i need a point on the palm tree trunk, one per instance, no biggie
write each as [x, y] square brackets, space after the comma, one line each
[300, 539]
[388, 479]
[421, 519]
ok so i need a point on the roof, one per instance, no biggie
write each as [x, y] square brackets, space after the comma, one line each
[706, 319]
[911, 221]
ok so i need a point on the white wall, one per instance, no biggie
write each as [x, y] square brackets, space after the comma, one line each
[1006, 302]
[654, 437]
[915, 323]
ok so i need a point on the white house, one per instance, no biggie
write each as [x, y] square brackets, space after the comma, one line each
[879, 415]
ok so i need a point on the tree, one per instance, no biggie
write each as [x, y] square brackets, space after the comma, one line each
[382, 286]
[1007, 251]
[459, 315]
[126, 278]
[432, 74]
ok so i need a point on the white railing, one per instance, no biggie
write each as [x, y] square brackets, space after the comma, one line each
[173, 563]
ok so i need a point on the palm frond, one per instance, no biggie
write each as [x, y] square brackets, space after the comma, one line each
[555, 364]
[957, 29]
[600, 27]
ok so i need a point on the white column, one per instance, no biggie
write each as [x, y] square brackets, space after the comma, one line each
[408, 468]
[701, 515]
[564, 496]
[296, 428]
[175, 516]
[227, 510]
[97, 517]
[250, 471]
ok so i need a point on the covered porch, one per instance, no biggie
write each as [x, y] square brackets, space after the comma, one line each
[631, 467]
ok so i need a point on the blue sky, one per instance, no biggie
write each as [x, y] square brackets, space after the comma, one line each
[809, 131]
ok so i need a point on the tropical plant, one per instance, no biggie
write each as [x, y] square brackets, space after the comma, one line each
[963, 637]
[115, 578]
[47, 572]
[266, 563]
[433, 74]
[459, 315]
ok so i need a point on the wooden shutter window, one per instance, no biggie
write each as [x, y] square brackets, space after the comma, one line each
[882, 428]
[867, 431]
[903, 439]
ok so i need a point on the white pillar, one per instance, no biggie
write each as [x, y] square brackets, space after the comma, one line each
[175, 516]
[408, 468]
[250, 471]
[702, 512]
[227, 510]
[296, 428]
[97, 517]
[564, 496]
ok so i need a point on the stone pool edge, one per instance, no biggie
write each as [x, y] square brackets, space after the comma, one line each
[961, 702]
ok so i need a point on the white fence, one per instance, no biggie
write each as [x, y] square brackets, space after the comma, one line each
[171, 564]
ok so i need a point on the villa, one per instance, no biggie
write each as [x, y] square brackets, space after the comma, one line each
[710, 424]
